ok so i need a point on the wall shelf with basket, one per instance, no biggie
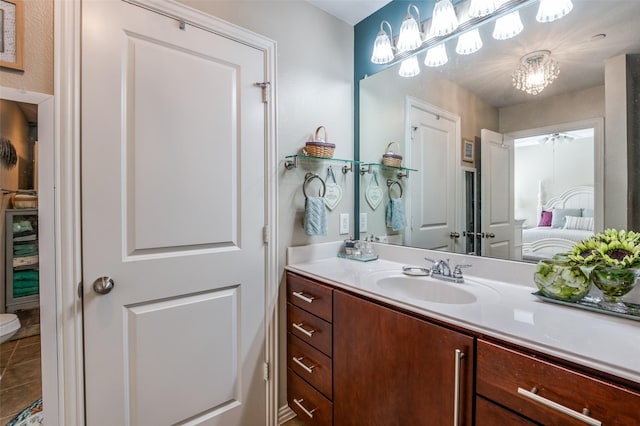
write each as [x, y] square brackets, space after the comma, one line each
[399, 171]
[292, 161]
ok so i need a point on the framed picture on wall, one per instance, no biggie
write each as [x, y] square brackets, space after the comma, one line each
[468, 147]
[11, 34]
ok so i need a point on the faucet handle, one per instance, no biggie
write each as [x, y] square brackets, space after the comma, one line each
[457, 271]
[437, 266]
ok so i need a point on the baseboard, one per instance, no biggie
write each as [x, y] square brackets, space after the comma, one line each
[285, 414]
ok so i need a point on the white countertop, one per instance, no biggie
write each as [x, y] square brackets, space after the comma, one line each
[504, 310]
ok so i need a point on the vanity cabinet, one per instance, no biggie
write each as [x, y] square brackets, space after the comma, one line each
[309, 350]
[393, 368]
[547, 393]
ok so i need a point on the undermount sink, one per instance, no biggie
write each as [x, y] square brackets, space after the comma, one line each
[427, 289]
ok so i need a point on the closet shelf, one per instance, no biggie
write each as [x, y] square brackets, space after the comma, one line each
[291, 161]
[400, 171]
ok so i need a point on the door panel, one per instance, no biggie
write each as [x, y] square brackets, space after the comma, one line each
[497, 219]
[433, 188]
[173, 144]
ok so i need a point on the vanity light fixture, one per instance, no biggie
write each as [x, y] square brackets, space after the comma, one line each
[410, 35]
[382, 48]
[444, 20]
[508, 26]
[480, 8]
[536, 71]
[551, 10]
[469, 42]
[436, 56]
[409, 67]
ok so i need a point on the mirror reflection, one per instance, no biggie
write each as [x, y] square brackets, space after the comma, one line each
[500, 172]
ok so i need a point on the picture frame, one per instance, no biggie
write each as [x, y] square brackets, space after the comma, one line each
[11, 34]
[468, 150]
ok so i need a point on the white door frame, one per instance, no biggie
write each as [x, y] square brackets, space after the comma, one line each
[49, 309]
[68, 262]
[598, 156]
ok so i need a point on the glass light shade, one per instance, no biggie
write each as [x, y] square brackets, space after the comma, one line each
[382, 49]
[480, 8]
[444, 20]
[469, 42]
[537, 71]
[409, 67]
[436, 56]
[410, 37]
[551, 10]
[508, 26]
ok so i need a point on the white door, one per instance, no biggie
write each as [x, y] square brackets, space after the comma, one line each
[497, 221]
[173, 207]
[434, 142]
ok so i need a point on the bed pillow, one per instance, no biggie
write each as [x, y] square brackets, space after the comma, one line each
[581, 223]
[545, 218]
[587, 212]
[558, 221]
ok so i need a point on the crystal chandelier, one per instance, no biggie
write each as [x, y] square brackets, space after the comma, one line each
[537, 71]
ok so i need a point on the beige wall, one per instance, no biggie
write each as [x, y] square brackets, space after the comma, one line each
[38, 50]
[315, 87]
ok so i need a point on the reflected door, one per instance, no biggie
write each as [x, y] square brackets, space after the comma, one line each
[173, 148]
[497, 221]
[433, 189]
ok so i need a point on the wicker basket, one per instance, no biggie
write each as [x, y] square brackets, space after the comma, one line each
[391, 159]
[319, 147]
[24, 201]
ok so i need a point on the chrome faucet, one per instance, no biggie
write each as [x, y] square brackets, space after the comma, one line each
[442, 271]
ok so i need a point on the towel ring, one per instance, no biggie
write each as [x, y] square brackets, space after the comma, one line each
[308, 178]
[390, 183]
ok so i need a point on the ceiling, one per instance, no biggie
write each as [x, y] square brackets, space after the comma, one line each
[350, 11]
[571, 41]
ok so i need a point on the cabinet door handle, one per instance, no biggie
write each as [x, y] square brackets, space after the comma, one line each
[456, 387]
[532, 394]
[303, 330]
[299, 402]
[303, 365]
[300, 295]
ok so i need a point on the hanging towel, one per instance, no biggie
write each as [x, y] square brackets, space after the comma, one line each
[315, 216]
[395, 214]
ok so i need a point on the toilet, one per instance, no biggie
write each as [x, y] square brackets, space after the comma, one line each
[9, 325]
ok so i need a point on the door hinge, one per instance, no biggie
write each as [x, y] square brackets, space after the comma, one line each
[266, 234]
[265, 90]
[266, 372]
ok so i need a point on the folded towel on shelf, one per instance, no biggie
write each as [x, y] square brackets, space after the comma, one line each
[20, 250]
[27, 275]
[22, 226]
[22, 292]
[25, 284]
[395, 214]
[25, 261]
[315, 216]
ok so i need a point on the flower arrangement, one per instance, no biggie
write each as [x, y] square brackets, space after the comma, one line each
[610, 260]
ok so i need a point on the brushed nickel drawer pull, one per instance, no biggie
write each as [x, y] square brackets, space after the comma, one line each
[532, 394]
[307, 412]
[303, 330]
[456, 389]
[300, 295]
[303, 365]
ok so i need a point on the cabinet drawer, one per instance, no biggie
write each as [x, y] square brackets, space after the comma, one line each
[490, 414]
[308, 404]
[310, 296]
[310, 329]
[508, 377]
[310, 364]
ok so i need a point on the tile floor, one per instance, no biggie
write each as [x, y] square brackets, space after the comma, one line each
[20, 369]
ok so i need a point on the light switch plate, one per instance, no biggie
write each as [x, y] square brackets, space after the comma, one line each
[344, 223]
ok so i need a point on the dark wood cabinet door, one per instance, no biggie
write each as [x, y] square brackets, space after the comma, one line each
[390, 368]
[490, 414]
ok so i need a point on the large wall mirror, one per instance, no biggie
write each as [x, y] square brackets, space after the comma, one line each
[496, 171]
